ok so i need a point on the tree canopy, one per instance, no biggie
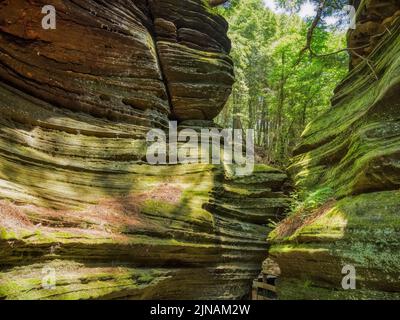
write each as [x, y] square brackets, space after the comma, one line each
[278, 89]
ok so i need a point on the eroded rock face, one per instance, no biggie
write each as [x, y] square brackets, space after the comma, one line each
[193, 49]
[76, 196]
[375, 18]
[354, 151]
[101, 59]
[120, 59]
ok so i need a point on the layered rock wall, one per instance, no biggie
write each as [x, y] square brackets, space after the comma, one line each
[374, 19]
[78, 202]
[120, 59]
[351, 153]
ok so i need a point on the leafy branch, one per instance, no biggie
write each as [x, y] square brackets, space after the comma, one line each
[310, 34]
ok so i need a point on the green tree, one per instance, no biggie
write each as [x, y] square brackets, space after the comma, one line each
[278, 90]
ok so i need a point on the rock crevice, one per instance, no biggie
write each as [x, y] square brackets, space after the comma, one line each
[76, 195]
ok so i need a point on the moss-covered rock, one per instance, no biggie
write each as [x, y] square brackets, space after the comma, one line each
[76, 192]
[174, 223]
[353, 150]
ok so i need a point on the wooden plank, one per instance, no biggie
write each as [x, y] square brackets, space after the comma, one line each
[263, 285]
[254, 294]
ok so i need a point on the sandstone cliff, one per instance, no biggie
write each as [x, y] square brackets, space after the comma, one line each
[351, 154]
[76, 194]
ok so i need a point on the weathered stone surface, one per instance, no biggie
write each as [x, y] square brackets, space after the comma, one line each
[354, 147]
[354, 151]
[374, 19]
[199, 82]
[75, 192]
[99, 60]
[150, 232]
[120, 59]
[193, 49]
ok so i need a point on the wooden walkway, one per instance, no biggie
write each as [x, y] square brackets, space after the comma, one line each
[263, 291]
[264, 287]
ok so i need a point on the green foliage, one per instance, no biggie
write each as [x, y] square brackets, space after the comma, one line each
[331, 7]
[317, 198]
[276, 92]
[307, 202]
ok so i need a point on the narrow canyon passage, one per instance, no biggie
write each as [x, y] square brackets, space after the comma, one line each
[84, 215]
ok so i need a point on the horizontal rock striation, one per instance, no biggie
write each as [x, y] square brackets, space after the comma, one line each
[122, 60]
[353, 151]
[99, 60]
[157, 237]
[78, 202]
[194, 53]
[259, 198]
[374, 19]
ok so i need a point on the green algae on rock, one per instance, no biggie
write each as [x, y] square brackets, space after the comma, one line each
[353, 150]
[76, 194]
